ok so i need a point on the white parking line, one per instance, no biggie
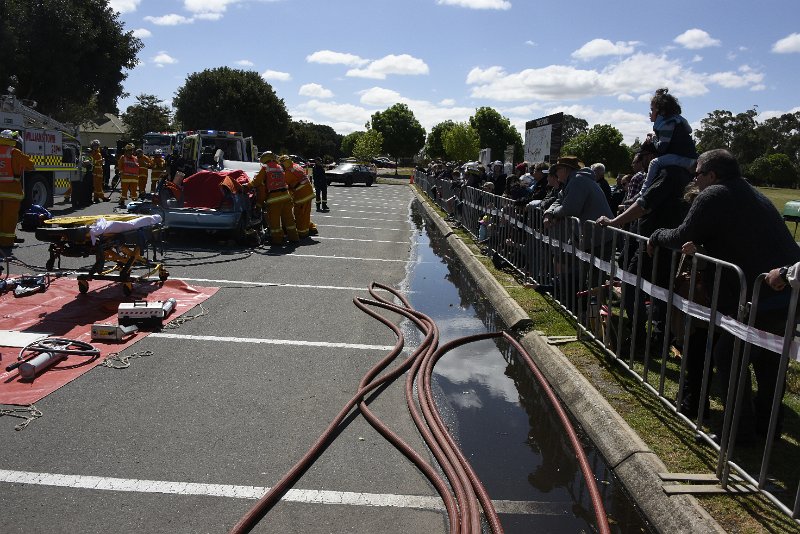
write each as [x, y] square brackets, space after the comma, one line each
[348, 498]
[264, 341]
[267, 284]
[361, 240]
[294, 255]
[406, 229]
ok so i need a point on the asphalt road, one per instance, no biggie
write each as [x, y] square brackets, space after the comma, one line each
[186, 439]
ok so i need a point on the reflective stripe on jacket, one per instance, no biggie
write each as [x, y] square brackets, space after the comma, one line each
[6, 164]
[130, 168]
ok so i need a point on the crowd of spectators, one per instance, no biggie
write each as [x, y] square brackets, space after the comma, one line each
[676, 200]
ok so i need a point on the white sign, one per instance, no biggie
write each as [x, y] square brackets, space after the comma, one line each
[537, 143]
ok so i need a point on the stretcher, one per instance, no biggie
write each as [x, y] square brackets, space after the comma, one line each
[121, 240]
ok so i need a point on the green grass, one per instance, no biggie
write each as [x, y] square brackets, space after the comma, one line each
[663, 432]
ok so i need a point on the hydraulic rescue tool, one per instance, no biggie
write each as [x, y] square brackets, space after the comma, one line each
[40, 355]
[112, 332]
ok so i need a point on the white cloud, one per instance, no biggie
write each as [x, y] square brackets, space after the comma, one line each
[746, 76]
[447, 102]
[276, 75]
[604, 47]
[625, 98]
[696, 38]
[788, 45]
[697, 58]
[329, 57]
[764, 115]
[162, 58]
[208, 16]
[402, 64]
[531, 43]
[124, 6]
[314, 90]
[758, 87]
[244, 63]
[476, 4]
[343, 118]
[169, 20]
[207, 6]
[142, 33]
[638, 74]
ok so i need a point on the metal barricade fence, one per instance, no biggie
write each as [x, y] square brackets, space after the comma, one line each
[660, 316]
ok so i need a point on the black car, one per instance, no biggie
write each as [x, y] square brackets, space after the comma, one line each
[350, 173]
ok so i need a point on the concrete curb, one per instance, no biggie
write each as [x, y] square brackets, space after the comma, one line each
[626, 453]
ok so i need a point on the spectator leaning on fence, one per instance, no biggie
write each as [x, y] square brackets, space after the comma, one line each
[599, 171]
[736, 223]
[662, 206]
[540, 172]
[580, 197]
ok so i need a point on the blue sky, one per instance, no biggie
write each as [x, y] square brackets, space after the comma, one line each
[336, 62]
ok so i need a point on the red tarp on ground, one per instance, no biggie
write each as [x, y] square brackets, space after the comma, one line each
[62, 311]
[202, 189]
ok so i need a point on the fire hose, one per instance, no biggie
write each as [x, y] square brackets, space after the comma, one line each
[463, 493]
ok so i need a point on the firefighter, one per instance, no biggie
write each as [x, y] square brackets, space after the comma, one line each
[97, 171]
[13, 162]
[320, 185]
[273, 195]
[145, 163]
[128, 167]
[302, 194]
[159, 169]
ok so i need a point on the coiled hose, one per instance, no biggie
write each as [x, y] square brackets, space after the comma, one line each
[463, 493]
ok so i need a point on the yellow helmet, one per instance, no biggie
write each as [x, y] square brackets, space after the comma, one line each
[266, 156]
[129, 146]
[285, 161]
[7, 138]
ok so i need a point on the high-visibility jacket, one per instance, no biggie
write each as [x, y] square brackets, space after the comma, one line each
[270, 183]
[144, 165]
[13, 162]
[299, 185]
[6, 164]
[129, 168]
[158, 166]
[97, 163]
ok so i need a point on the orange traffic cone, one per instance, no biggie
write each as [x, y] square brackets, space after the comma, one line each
[411, 178]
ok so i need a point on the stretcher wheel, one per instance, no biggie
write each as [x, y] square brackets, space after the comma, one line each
[163, 274]
[83, 286]
[127, 288]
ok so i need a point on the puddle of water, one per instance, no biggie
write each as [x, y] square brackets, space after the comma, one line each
[496, 410]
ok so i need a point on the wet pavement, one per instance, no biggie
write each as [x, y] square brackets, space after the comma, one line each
[497, 411]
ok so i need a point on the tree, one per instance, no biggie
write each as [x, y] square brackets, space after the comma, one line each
[349, 142]
[571, 127]
[781, 135]
[147, 115]
[736, 133]
[70, 56]
[496, 132]
[434, 144]
[316, 140]
[602, 143]
[368, 145]
[774, 169]
[232, 99]
[462, 142]
[403, 135]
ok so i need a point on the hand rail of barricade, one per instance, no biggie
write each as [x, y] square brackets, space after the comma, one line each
[580, 267]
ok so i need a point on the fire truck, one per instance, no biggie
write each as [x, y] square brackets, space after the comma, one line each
[53, 146]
